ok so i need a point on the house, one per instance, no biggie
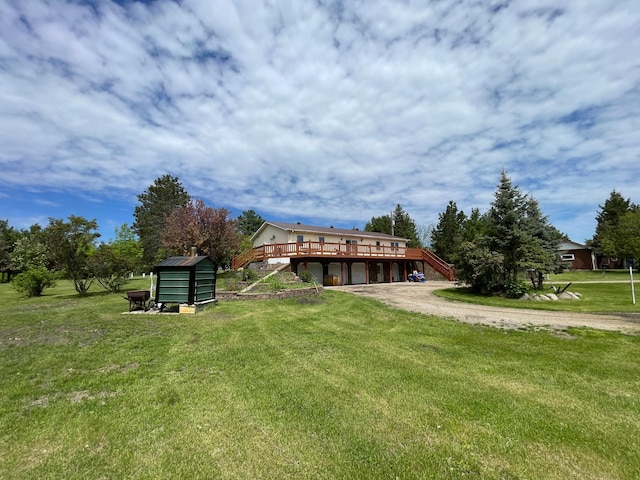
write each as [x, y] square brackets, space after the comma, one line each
[577, 256]
[338, 256]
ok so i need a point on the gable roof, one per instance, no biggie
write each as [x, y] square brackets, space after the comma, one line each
[570, 245]
[297, 227]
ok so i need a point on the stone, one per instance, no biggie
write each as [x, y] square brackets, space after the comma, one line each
[552, 297]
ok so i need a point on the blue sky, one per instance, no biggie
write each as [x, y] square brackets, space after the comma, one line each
[324, 112]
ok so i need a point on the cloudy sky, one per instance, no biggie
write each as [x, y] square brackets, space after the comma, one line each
[324, 112]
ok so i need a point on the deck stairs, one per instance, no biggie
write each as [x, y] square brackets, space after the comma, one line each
[439, 265]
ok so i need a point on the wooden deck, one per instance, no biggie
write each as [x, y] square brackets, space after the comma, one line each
[342, 252]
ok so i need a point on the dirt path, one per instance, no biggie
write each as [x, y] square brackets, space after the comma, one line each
[419, 297]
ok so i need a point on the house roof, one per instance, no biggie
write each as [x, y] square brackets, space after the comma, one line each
[297, 227]
[569, 245]
[181, 261]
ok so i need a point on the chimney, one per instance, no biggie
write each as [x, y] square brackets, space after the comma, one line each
[193, 252]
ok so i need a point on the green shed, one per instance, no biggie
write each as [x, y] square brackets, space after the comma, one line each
[187, 280]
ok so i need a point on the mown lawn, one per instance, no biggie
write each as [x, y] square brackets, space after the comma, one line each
[332, 387]
[605, 297]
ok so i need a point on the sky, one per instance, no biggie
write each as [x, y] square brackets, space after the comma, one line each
[323, 112]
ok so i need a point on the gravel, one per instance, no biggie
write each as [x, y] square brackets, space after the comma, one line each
[419, 297]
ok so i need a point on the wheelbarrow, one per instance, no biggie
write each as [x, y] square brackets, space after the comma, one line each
[138, 299]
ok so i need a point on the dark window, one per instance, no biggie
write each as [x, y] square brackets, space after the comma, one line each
[300, 238]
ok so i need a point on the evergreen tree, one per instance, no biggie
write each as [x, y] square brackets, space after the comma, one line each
[513, 231]
[248, 223]
[156, 203]
[447, 236]
[506, 233]
[403, 226]
[474, 226]
[608, 218]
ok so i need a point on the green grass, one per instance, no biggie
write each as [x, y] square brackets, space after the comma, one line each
[603, 297]
[593, 276]
[331, 387]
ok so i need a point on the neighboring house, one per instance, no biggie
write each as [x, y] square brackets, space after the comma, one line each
[577, 256]
[338, 256]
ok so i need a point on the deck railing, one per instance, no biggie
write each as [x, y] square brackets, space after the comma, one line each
[342, 250]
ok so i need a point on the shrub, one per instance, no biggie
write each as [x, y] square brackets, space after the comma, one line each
[275, 284]
[249, 275]
[307, 277]
[515, 289]
[34, 281]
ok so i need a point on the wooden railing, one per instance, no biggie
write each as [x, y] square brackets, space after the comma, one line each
[314, 249]
[342, 250]
[439, 265]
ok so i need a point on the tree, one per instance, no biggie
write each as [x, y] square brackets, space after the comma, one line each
[248, 223]
[207, 229]
[538, 254]
[8, 238]
[447, 236]
[623, 240]
[515, 231]
[403, 226]
[158, 201]
[608, 218]
[30, 250]
[112, 263]
[474, 226]
[505, 227]
[127, 248]
[32, 282]
[70, 245]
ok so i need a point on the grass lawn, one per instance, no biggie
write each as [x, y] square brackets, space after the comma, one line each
[331, 387]
[611, 295]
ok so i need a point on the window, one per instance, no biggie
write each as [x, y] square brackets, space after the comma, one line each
[351, 242]
[300, 238]
[321, 239]
[567, 257]
[395, 244]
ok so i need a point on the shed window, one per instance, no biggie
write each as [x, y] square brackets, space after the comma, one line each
[567, 257]
[395, 244]
[321, 239]
[300, 238]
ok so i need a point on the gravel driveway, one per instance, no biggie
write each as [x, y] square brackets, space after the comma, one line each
[419, 297]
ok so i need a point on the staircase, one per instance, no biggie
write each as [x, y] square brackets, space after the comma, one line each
[439, 265]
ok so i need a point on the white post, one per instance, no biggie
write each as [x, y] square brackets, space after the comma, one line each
[633, 292]
[151, 287]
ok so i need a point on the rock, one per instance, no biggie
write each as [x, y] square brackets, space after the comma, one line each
[526, 296]
[544, 298]
[552, 296]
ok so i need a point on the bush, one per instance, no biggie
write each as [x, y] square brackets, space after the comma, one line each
[34, 281]
[515, 289]
[307, 277]
[249, 275]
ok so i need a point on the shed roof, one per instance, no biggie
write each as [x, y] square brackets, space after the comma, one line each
[297, 227]
[182, 261]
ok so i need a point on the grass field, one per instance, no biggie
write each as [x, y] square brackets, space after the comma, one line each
[331, 387]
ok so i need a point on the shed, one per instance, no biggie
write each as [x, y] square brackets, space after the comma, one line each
[186, 280]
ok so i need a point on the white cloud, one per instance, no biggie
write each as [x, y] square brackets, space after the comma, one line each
[334, 111]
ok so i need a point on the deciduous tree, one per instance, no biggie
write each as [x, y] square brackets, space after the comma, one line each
[209, 230]
[70, 245]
